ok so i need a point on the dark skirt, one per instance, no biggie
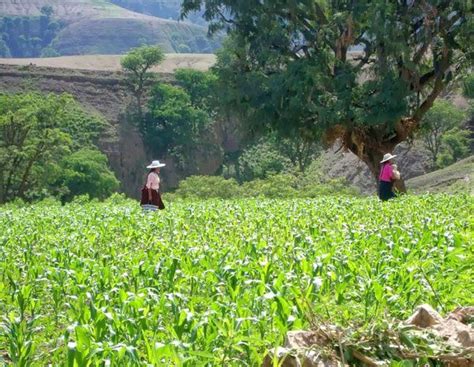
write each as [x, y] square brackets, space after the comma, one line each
[386, 190]
[155, 199]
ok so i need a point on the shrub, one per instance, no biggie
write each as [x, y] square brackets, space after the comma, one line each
[274, 186]
[208, 187]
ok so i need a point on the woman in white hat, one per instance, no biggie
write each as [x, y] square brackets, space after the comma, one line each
[387, 175]
[151, 198]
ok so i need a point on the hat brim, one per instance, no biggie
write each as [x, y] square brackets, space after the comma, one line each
[385, 160]
[158, 166]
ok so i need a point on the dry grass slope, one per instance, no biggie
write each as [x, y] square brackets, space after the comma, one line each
[67, 9]
[112, 62]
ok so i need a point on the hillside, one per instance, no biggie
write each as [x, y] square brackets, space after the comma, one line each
[97, 27]
[66, 9]
[456, 178]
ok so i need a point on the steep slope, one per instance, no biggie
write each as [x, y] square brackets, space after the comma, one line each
[100, 27]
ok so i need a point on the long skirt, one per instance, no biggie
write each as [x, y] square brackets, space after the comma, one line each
[386, 190]
[155, 202]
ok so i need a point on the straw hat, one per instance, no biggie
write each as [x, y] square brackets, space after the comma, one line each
[387, 157]
[156, 164]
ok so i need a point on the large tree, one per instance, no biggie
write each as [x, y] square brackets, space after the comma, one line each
[364, 72]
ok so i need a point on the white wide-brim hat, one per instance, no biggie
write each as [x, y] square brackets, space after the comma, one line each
[387, 157]
[156, 164]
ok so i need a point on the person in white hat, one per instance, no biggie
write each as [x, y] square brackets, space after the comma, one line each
[387, 175]
[151, 198]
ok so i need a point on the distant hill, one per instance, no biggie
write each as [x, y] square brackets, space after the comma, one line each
[80, 27]
[169, 9]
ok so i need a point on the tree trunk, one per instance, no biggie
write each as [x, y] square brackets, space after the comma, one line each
[371, 151]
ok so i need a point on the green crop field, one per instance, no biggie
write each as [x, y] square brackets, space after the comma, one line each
[217, 283]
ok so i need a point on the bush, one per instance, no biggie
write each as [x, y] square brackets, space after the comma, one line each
[282, 185]
[208, 187]
[274, 186]
[314, 183]
[337, 186]
[261, 161]
[86, 172]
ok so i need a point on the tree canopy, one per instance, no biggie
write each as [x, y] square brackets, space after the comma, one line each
[137, 64]
[39, 135]
[364, 72]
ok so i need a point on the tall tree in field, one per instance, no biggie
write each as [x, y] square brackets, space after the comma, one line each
[137, 64]
[364, 72]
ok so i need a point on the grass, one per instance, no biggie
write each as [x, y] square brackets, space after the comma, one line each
[456, 178]
[219, 282]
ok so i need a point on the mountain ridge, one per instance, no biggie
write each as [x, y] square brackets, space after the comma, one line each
[101, 27]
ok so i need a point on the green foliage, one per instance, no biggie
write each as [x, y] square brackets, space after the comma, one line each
[205, 187]
[443, 118]
[274, 186]
[29, 36]
[311, 184]
[455, 145]
[86, 172]
[136, 64]
[468, 86]
[314, 184]
[37, 133]
[173, 125]
[349, 70]
[139, 60]
[272, 154]
[181, 118]
[200, 86]
[262, 160]
[219, 283]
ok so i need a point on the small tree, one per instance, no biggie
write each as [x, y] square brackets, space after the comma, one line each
[299, 151]
[442, 118]
[137, 64]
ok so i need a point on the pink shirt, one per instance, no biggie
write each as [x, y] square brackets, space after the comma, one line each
[386, 173]
[153, 181]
